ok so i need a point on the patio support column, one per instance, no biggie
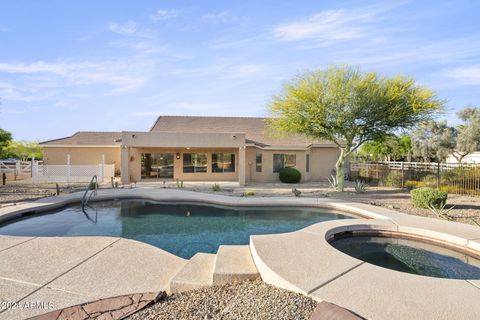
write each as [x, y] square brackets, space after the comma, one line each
[241, 165]
[125, 159]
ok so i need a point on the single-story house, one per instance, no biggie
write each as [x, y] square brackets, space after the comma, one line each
[198, 149]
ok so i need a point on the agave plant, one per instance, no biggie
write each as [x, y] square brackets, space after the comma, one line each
[333, 182]
[441, 212]
[360, 186]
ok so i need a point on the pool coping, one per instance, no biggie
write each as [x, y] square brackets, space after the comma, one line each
[268, 262]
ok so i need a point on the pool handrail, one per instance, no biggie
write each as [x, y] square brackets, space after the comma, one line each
[85, 199]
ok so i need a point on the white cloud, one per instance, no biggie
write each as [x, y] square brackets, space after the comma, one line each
[457, 50]
[122, 77]
[221, 17]
[331, 25]
[163, 14]
[339, 25]
[129, 29]
[464, 75]
[222, 70]
[144, 46]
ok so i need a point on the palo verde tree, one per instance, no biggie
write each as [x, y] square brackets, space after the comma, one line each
[349, 107]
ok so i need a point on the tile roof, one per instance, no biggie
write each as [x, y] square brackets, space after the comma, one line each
[255, 129]
[87, 138]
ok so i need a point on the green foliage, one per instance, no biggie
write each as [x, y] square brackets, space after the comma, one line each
[216, 187]
[248, 193]
[349, 107]
[5, 138]
[360, 186]
[390, 148]
[428, 197]
[290, 175]
[23, 150]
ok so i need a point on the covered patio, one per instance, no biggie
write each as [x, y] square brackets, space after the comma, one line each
[164, 156]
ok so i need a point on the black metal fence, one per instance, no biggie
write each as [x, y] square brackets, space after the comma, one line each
[457, 178]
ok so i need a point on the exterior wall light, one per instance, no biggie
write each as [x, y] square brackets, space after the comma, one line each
[177, 155]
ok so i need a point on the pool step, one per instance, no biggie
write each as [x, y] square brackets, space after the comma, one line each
[234, 263]
[197, 273]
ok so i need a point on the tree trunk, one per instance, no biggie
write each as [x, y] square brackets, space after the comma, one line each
[339, 166]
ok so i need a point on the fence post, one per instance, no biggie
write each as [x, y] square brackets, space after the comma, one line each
[403, 176]
[17, 169]
[33, 170]
[68, 168]
[102, 168]
[438, 175]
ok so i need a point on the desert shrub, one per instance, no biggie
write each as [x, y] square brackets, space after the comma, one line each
[290, 175]
[216, 187]
[448, 176]
[412, 184]
[430, 180]
[393, 179]
[427, 197]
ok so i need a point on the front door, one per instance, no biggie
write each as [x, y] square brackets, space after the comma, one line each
[157, 165]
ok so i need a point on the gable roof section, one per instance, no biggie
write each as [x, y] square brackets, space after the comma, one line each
[255, 129]
[87, 138]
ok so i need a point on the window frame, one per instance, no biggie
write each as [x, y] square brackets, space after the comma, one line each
[258, 165]
[284, 161]
[194, 160]
[221, 157]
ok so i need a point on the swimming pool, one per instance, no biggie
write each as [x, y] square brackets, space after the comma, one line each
[411, 256]
[180, 228]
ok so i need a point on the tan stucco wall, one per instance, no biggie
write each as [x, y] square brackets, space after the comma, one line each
[82, 155]
[322, 161]
[135, 164]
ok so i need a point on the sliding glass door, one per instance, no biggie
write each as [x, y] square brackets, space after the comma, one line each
[157, 165]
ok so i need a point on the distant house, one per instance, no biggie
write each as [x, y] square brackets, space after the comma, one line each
[198, 149]
[470, 158]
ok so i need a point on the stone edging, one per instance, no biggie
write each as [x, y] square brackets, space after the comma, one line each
[114, 308]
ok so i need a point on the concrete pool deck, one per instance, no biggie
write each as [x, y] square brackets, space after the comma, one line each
[74, 270]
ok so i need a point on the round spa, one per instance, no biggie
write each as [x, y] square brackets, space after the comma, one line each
[411, 256]
[180, 228]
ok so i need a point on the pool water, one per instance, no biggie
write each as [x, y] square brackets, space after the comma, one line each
[182, 229]
[410, 256]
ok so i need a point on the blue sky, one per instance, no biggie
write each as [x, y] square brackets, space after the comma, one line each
[67, 66]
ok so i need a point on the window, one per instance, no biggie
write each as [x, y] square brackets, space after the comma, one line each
[258, 162]
[307, 164]
[281, 160]
[194, 162]
[223, 162]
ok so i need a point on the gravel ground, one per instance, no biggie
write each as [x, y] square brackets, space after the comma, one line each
[19, 191]
[245, 300]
